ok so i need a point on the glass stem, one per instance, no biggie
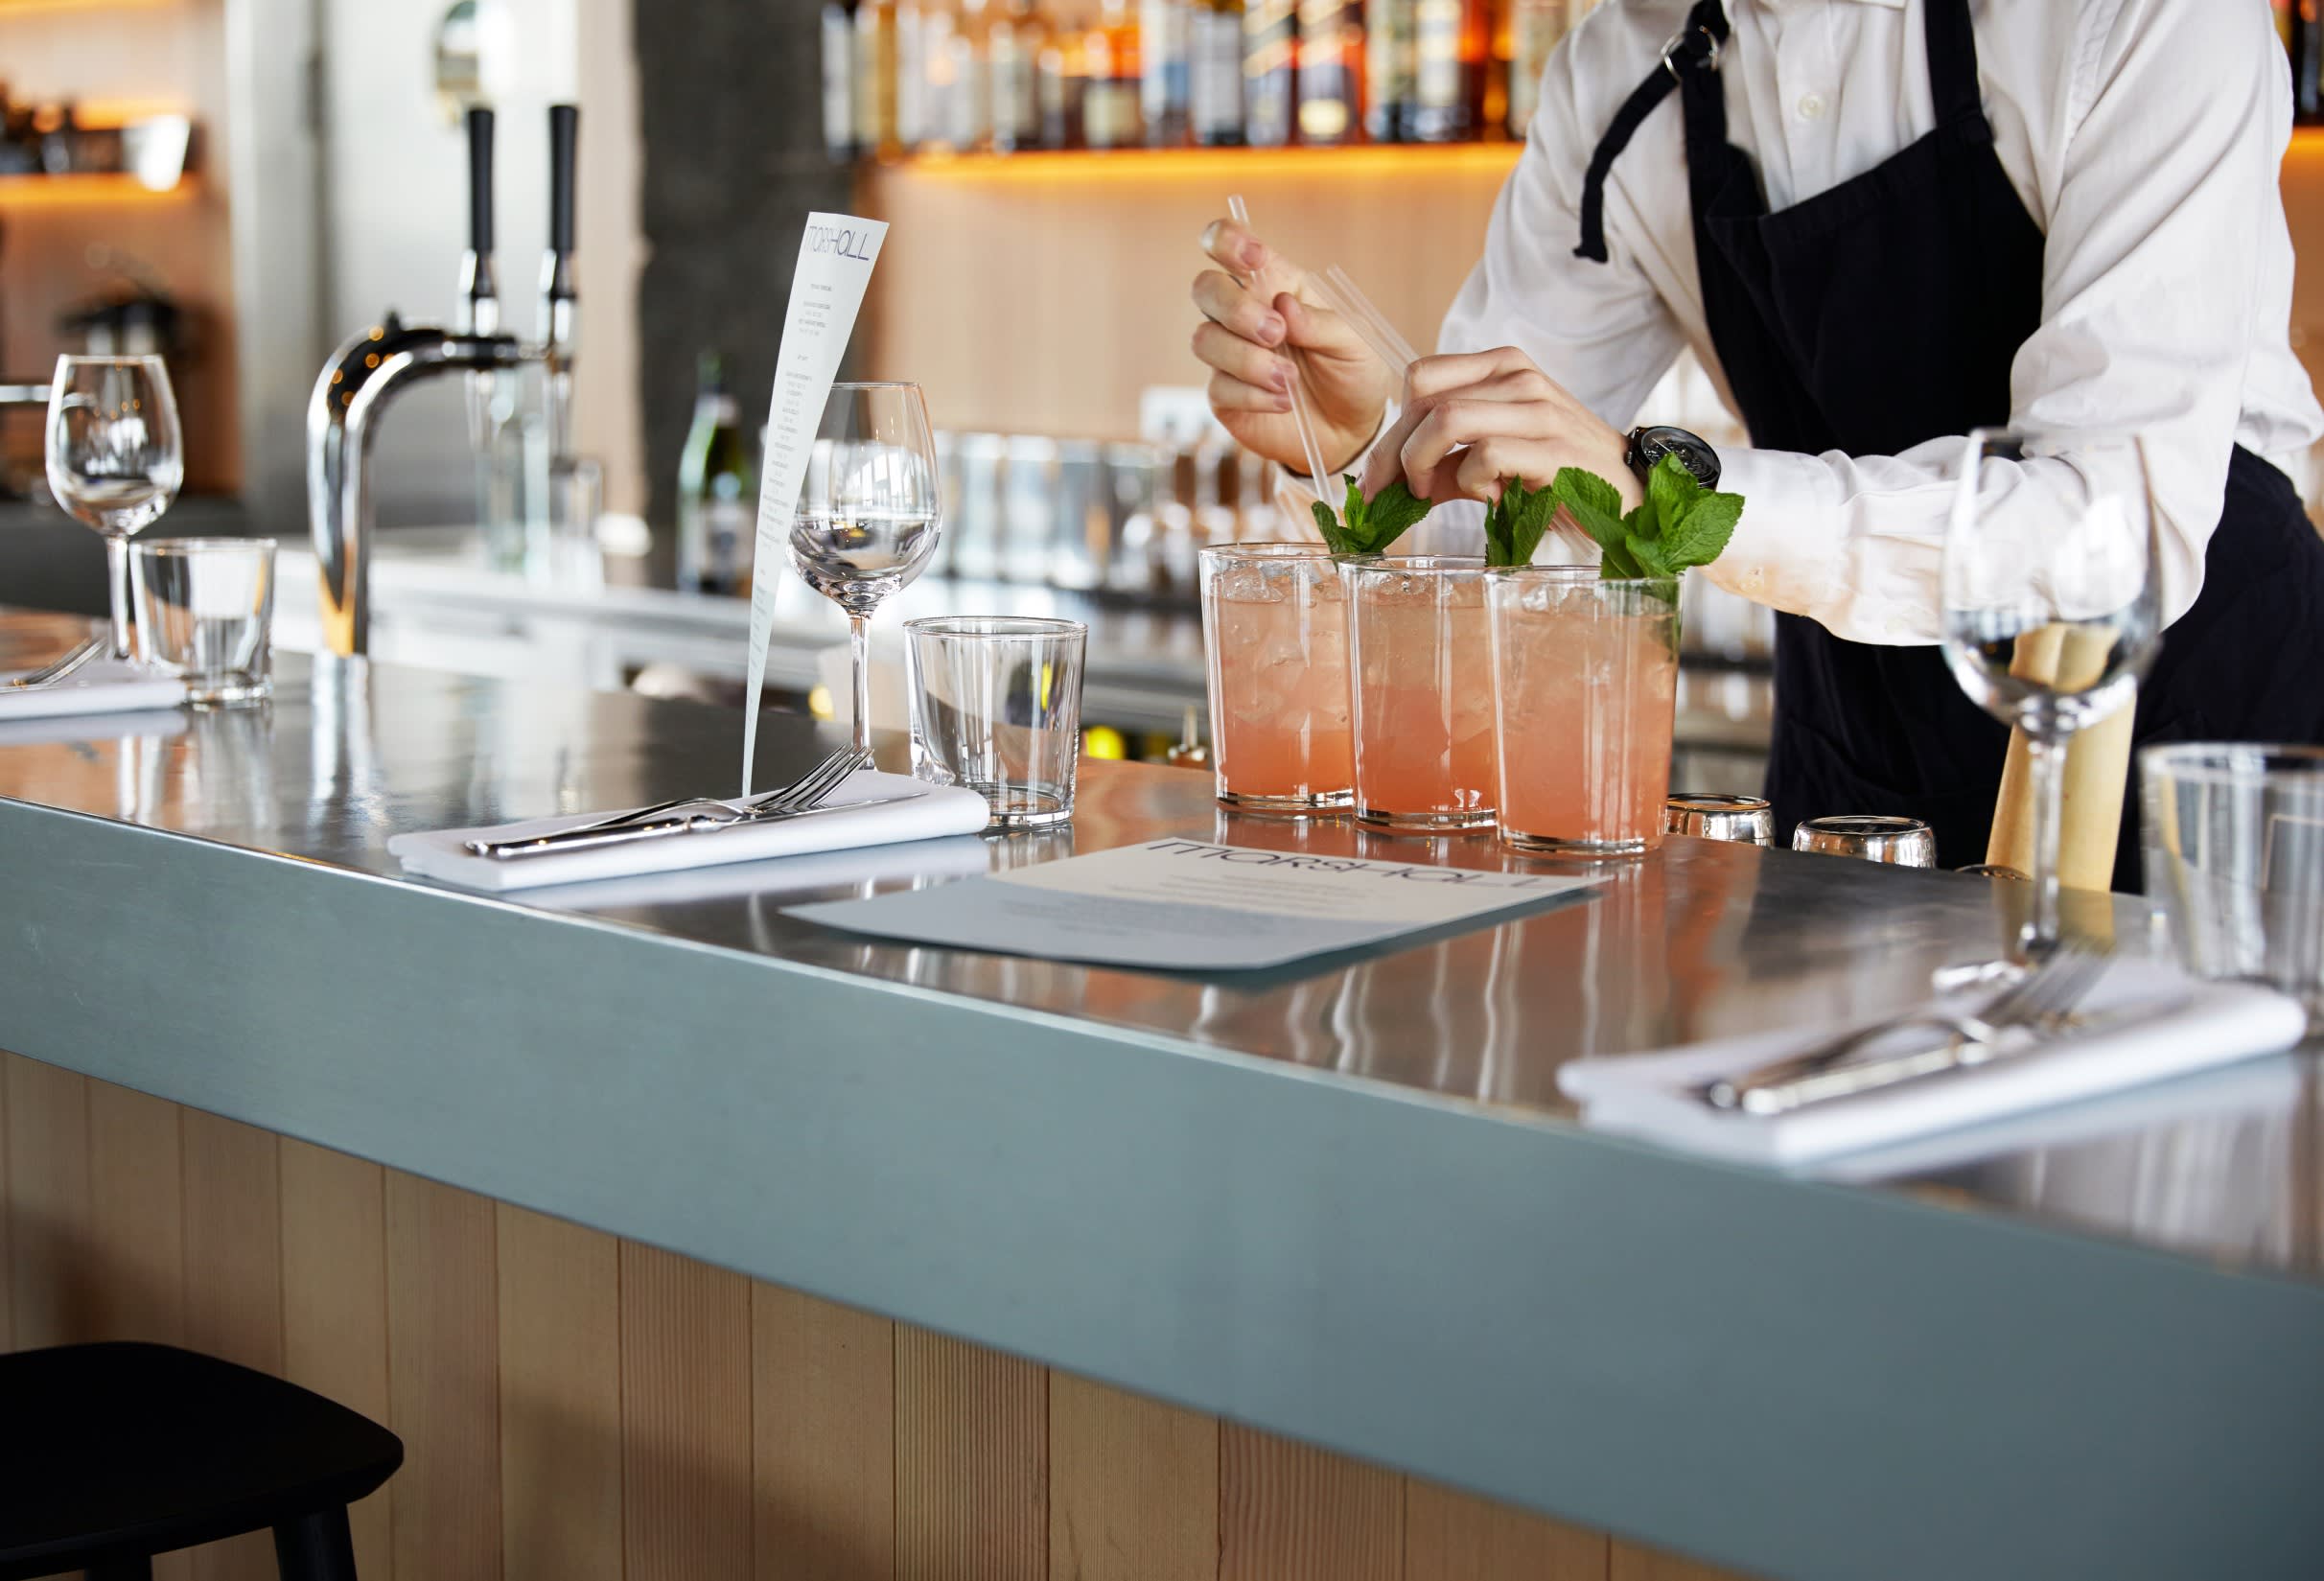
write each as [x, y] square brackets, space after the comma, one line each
[117, 586]
[2048, 761]
[859, 646]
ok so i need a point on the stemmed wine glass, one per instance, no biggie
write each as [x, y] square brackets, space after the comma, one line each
[2052, 604]
[869, 512]
[116, 458]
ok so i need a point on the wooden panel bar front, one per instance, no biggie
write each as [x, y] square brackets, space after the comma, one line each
[590, 1409]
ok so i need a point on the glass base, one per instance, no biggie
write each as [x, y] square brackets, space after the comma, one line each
[1323, 804]
[238, 691]
[1588, 851]
[1023, 807]
[1425, 822]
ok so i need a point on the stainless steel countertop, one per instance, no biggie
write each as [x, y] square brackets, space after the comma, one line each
[1107, 1169]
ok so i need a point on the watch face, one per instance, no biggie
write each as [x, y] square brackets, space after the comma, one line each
[1696, 456]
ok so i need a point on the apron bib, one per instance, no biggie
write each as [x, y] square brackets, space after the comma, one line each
[1886, 312]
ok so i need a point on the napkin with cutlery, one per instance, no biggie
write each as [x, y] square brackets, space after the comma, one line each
[102, 685]
[2142, 1020]
[869, 808]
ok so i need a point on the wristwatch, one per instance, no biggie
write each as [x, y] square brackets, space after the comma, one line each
[1648, 446]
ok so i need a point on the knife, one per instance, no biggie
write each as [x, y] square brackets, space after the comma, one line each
[570, 840]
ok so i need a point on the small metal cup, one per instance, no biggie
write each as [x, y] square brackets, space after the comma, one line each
[1905, 842]
[1746, 819]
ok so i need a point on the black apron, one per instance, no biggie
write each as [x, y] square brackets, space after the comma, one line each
[1886, 312]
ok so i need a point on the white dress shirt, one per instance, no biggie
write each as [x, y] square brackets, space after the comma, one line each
[2145, 138]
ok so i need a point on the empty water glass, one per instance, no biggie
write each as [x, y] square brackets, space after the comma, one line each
[2234, 845]
[996, 706]
[205, 612]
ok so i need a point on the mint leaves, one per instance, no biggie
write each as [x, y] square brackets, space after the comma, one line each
[1514, 523]
[1681, 523]
[1368, 527]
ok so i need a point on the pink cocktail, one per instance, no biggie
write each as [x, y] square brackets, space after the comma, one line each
[1423, 694]
[1275, 637]
[1586, 681]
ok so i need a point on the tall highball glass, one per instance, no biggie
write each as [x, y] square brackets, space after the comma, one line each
[1275, 639]
[1422, 669]
[869, 513]
[2052, 604]
[116, 458]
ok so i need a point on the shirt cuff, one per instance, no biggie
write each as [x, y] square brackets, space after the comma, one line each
[1796, 549]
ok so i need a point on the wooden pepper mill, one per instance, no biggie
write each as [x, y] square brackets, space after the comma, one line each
[2096, 766]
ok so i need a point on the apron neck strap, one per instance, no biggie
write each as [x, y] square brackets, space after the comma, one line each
[1952, 42]
[1693, 52]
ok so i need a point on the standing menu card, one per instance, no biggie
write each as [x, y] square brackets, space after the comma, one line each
[835, 258]
[1191, 905]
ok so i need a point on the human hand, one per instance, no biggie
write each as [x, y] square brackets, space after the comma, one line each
[1470, 422]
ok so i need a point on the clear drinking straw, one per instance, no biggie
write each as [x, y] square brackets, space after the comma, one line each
[1299, 409]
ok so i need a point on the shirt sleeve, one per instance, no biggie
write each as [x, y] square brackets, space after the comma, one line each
[2165, 183]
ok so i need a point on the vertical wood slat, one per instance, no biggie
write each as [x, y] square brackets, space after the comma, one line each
[560, 1343]
[1133, 1487]
[136, 1215]
[971, 1462]
[1290, 1512]
[233, 1276]
[1635, 1563]
[1453, 1535]
[443, 1349]
[335, 1307]
[48, 1185]
[823, 1424]
[686, 1419]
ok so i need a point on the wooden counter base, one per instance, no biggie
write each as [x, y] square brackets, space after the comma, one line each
[576, 1407]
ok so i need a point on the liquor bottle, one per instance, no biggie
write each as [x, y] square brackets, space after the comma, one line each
[968, 120]
[1330, 75]
[875, 119]
[1450, 41]
[1535, 26]
[1269, 87]
[911, 74]
[1061, 78]
[717, 490]
[839, 80]
[1111, 98]
[1164, 70]
[1012, 51]
[1214, 47]
[1389, 87]
[2306, 61]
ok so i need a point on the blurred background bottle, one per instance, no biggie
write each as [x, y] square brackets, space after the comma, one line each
[1012, 51]
[1269, 88]
[1164, 70]
[1215, 72]
[1534, 26]
[877, 133]
[839, 79]
[969, 116]
[1111, 97]
[1331, 77]
[717, 489]
[1451, 39]
[1061, 76]
[1391, 70]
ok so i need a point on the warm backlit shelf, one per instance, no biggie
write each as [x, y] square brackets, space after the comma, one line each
[1356, 160]
[48, 192]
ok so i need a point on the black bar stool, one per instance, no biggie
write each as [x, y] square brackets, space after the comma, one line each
[112, 1453]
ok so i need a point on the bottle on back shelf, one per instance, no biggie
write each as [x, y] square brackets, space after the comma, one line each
[1013, 42]
[1534, 26]
[1111, 99]
[839, 79]
[1389, 70]
[969, 116]
[1269, 86]
[1330, 74]
[717, 490]
[1062, 75]
[876, 133]
[1164, 74]
[2307, 61]
[912, 30]
[1215, 72]
[1451, 39]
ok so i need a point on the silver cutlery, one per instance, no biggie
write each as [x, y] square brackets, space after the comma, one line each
[818, 781]
[1972, 1038]
[49, 674]
[694, 823]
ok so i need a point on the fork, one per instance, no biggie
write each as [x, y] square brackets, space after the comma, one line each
[49, 674]
[1972, 1038]
[801, 795]
[853, 758]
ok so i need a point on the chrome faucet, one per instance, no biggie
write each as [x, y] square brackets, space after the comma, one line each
[371, 369]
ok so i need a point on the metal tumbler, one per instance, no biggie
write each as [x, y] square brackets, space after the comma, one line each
[1904, 842]
[1745, 819]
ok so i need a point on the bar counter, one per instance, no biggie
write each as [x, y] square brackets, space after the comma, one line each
[1344, 1204]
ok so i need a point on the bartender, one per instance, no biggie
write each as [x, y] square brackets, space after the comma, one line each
[1879, 224]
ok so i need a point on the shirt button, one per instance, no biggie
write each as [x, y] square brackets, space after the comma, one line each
[1812, 107]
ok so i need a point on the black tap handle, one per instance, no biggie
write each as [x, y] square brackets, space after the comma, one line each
[479, 179]
[564, 132]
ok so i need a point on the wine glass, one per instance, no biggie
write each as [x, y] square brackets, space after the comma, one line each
[2052, 604]
[116, 458]
[869, 512]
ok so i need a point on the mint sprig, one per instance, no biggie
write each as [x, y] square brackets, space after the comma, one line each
[1368, 527]
[1681, 525]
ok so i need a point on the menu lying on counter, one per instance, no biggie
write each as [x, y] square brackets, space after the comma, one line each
[1189, 905]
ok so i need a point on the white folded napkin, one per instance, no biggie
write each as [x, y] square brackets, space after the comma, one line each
[152, 724]
[102, 685]
[2181, 1026]
[938, 810]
